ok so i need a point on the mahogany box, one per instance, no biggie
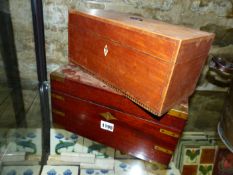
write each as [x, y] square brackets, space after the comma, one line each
[88, 107]
[155, 64]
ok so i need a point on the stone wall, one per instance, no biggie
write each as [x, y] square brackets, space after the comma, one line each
[209, 15]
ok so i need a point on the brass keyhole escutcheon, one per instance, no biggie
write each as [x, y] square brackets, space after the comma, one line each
[107, 116]
[105, 50]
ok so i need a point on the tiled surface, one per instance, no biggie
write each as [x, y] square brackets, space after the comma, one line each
[108, 161]
[25, 140]
[129, 167]
[96, 172]
[64, 141]
[20, 170]
[196, 159]
[60, 170]
[100, 150]
[18, 143]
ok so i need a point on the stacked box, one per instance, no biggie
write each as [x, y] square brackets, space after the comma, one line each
[88, 107]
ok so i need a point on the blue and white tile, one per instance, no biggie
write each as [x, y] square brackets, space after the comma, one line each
[129, 167]
[21, 170]
[100, 163]
[96, 172]
[25, 140]
[64, 141]
[13, 157]
[100, 150]
[59, 170]
[78, 157]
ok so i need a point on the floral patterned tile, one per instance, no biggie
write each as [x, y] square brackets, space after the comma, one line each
[205, 169]
[60, 170]
[100, 150]
[191, 156]
[21, 170]
[25, 140]
[96, 172]
[64, 141]
[129, 167]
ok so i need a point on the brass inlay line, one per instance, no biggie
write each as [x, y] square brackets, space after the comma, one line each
[170, 133]
[107, 116]
[59, 97]
[122, 92]
[178, 114]
[159, 148]
[55, 111]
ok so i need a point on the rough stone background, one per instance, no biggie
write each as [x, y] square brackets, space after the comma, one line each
[209, 15]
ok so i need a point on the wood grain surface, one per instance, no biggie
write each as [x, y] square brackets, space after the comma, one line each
[155, 64]
[79, 100]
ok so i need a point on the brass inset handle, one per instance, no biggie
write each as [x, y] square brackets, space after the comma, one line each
[107, 116]
[169, 133]
[59, 97]
[55, 111]
[178, 114]
[164, 150]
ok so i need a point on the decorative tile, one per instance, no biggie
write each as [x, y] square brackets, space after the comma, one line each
[13, 157]
[100, 150]
[25, 140]
[64, 141]
[205, 169]
[77, 157]
[20, 170]
[224, 162]
[195, 143]
[96, 172]
[189, 170]
[191, 156]
[59, 170]
[207, 155]
[129, 167]
[100, 163]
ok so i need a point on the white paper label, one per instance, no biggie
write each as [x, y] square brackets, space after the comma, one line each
[106, 126]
